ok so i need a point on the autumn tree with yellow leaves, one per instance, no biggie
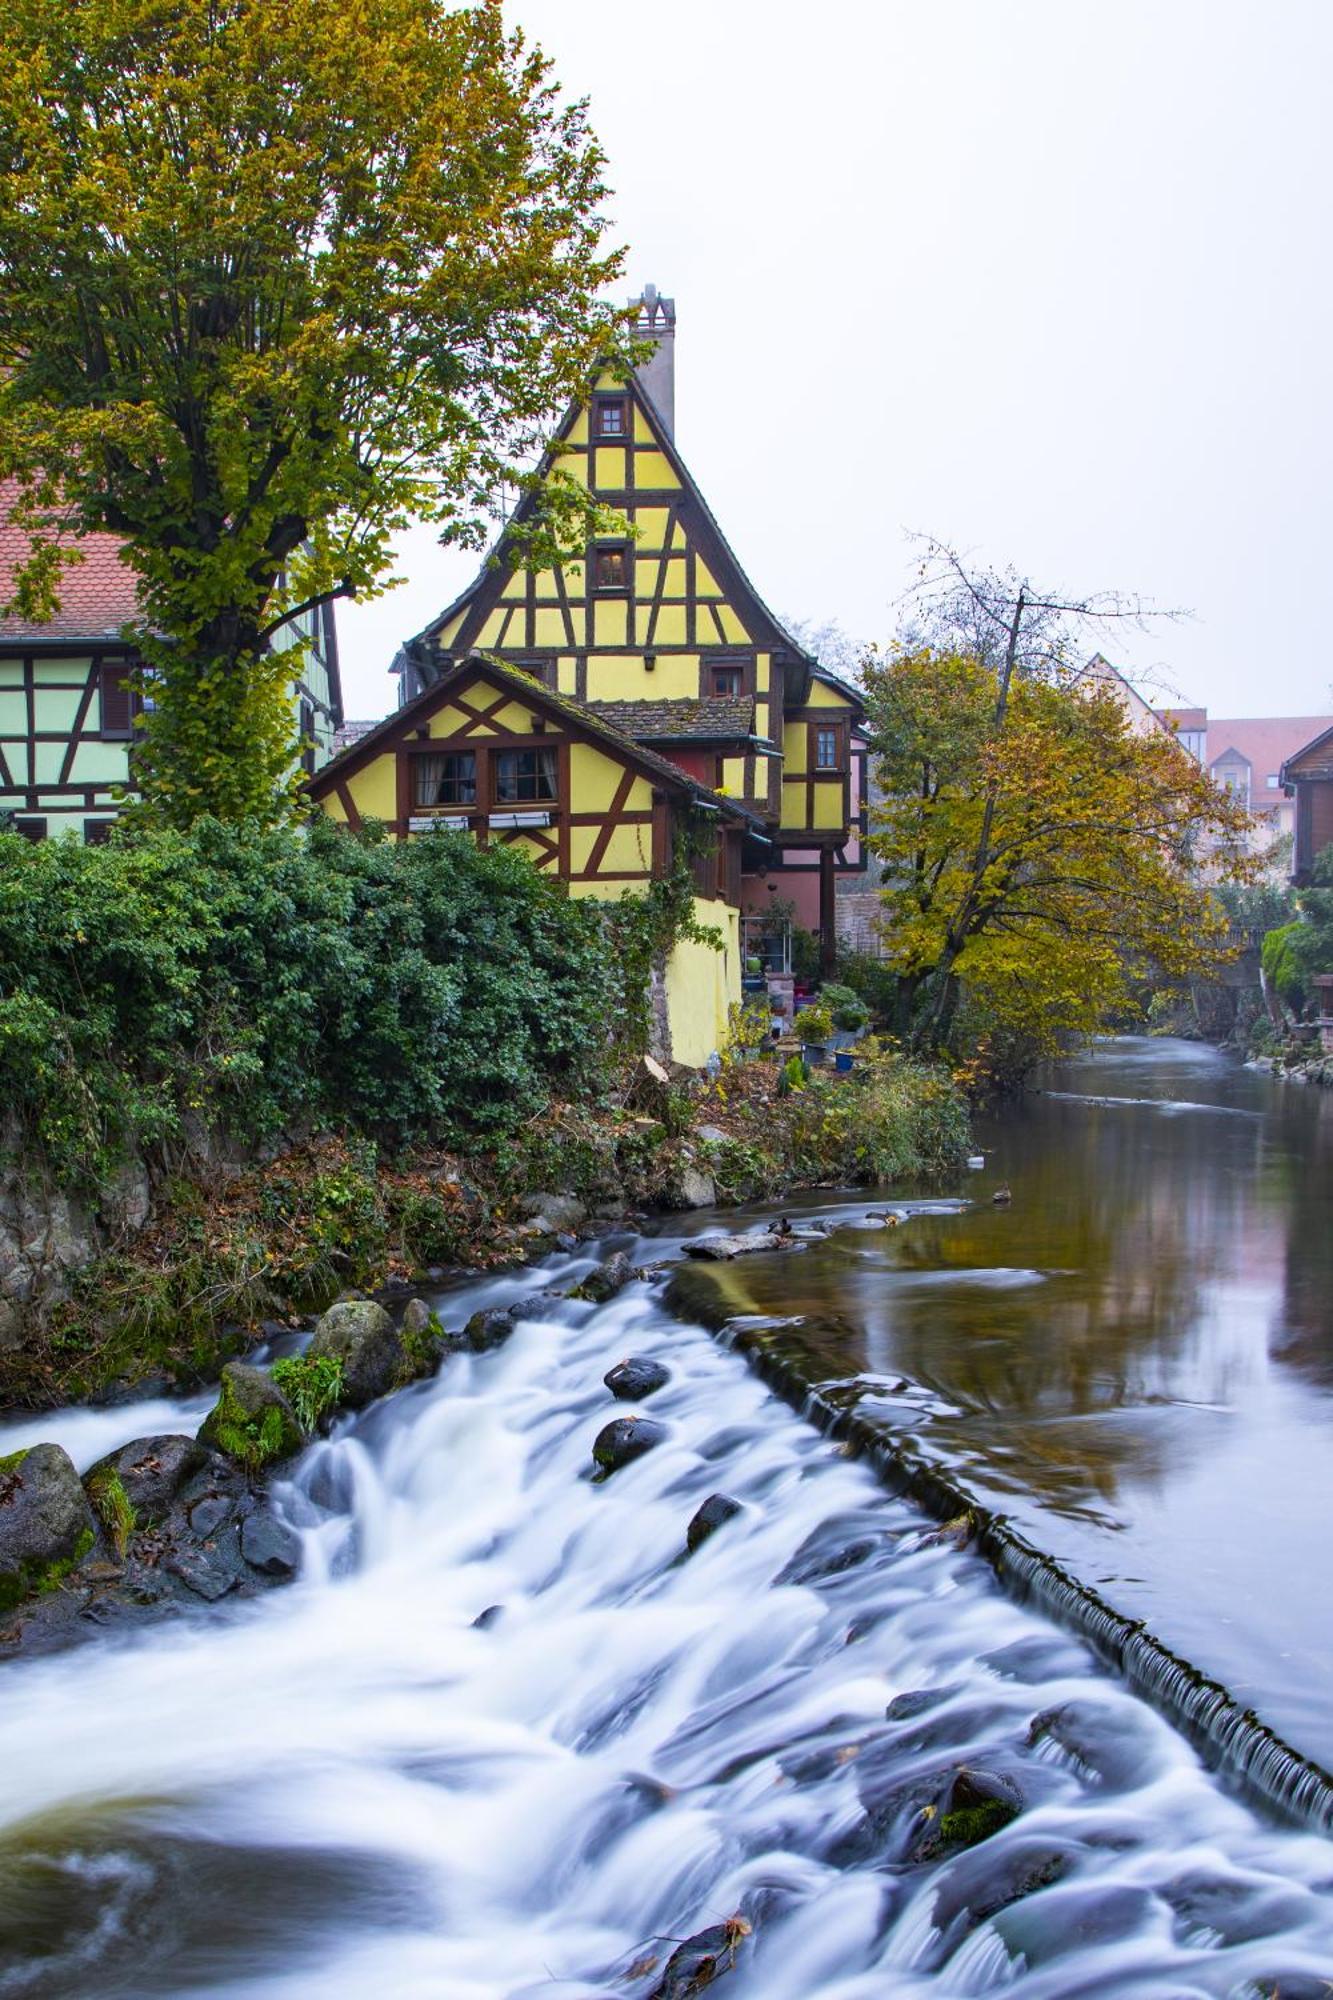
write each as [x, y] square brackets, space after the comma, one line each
[1040, 853]
[275, 278]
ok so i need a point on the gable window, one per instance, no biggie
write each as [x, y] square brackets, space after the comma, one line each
[525, 777]
[828, 749]
[542, 669]
[610, 568]
[119, 701]
[728, 680]
[612, 418]
[447, 779]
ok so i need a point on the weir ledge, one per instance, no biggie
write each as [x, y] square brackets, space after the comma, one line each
[1232, 1740]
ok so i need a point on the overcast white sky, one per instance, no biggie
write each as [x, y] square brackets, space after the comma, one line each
[1045, 277]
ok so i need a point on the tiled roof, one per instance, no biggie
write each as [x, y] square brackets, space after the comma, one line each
[348, 733]
[97, 596]
[1265, 742]
[719, 719]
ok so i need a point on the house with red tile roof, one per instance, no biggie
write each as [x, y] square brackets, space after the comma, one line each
[1247, 755]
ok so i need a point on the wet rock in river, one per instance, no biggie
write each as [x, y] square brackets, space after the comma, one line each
[46, 1524]
[489, 1328]
[721, 1249]
[630, 1381]
[417, 1317]
[716, 1509]
[970, 1808]
[360, 1335]
[608, 1279]
[627, 1438]
[702, 1958]
[270, 1546]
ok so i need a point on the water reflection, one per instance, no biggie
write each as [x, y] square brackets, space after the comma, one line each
[1134, 1357]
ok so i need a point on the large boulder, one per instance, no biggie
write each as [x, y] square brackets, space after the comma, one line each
[692, 1188]
[252, 1422]
[361, 1335]
[46, 1524]
[151, 1472]
[554, 1211]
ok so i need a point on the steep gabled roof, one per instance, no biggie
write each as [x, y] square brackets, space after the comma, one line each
[718, 551]
[1264, 742]
[546, 701]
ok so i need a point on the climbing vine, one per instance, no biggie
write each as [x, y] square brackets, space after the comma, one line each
[643, 930]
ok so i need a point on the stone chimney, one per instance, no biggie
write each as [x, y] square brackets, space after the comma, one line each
[655, 317]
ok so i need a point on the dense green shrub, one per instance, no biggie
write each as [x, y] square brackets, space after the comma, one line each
[262, 980]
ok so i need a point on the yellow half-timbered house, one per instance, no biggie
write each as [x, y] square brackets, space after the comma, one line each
[658, 631]
[641, 679]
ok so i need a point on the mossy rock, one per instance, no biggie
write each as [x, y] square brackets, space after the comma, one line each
[46, 1524]
[359, 1334]
[252, 1422]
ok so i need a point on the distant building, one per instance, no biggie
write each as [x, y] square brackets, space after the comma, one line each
[1247, 755]
[68, 701]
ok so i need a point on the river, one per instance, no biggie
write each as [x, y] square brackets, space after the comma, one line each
[353, 1787]
[1133, 1358]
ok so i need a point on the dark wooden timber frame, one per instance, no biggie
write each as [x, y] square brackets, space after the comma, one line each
[88, 663]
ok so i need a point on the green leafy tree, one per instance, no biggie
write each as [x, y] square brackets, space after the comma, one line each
[276, 277]
[1039, 850]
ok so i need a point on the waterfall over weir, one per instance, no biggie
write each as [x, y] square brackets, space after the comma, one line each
[353, 1787]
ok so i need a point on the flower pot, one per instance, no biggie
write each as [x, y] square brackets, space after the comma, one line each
[842, 1061]
[815, 1053]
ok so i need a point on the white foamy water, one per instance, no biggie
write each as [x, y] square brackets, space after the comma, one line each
[349, 1789]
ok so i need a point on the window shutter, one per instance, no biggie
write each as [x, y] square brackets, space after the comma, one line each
[117, 700]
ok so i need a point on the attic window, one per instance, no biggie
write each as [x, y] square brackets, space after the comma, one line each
[612, 418]
[723, 681]
[611, 568]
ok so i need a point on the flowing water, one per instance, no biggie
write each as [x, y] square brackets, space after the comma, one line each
[353, 1787]
[1133, 1359]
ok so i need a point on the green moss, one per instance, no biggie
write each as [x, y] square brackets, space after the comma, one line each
[255, 1439]
[113, 1507]
[422, 1350]
[39, 1579]
[970, 1824]
[312, 1384]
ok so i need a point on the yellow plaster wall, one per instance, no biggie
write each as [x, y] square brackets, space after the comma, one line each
[653, 473]
[593, 778]
[448, 721]
[823, 696]
[828, 805]
[671, 629]
[733, 775]
[608, 467]
[624, 677]
[701, 984]
[373, 789]
[794, 748]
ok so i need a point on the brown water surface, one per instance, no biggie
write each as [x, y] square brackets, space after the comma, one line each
[1134, 1357]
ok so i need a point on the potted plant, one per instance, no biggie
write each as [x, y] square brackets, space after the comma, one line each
[850, 1015]
[814, 1025]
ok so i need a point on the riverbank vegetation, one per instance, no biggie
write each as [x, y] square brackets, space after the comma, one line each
[337, 1060]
